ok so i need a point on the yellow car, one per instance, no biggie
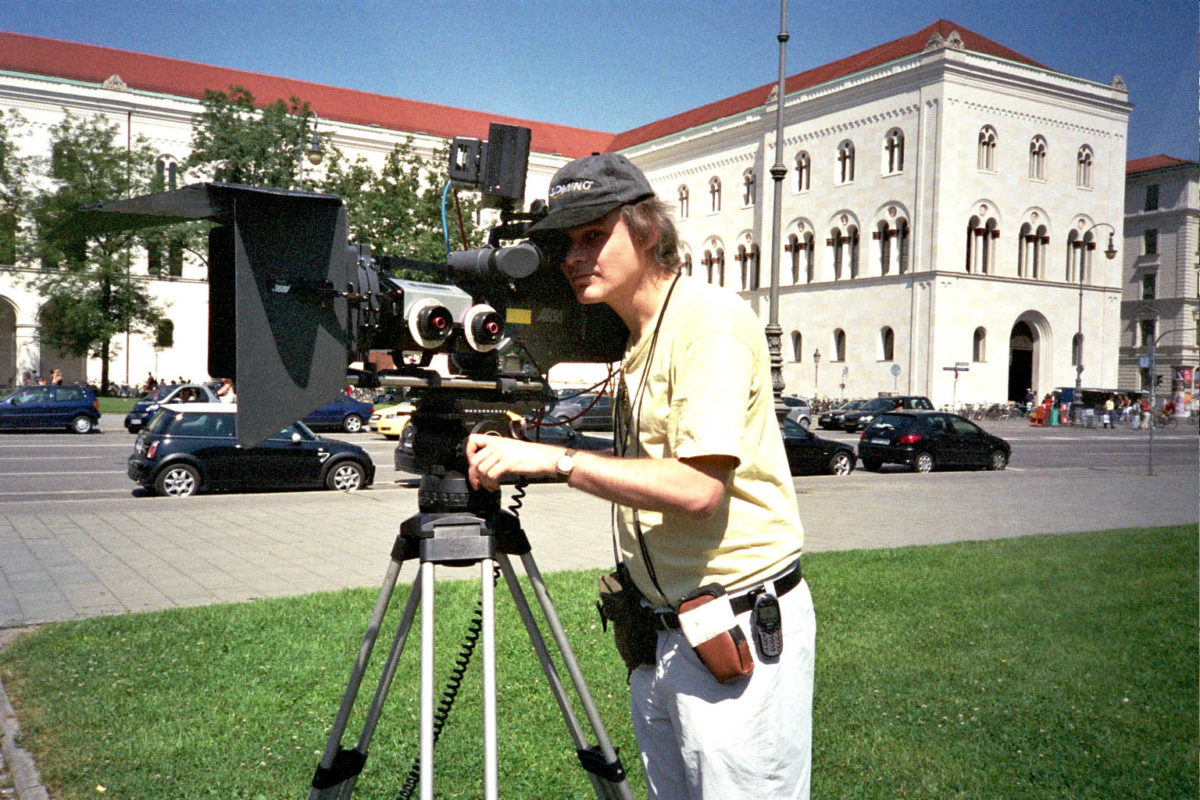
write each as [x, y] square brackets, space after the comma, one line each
[389, 421]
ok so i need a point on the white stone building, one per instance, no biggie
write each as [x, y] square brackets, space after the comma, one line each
[947, 203]
[1161, 259]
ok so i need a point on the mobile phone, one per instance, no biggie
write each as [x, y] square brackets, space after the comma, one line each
[767, 624]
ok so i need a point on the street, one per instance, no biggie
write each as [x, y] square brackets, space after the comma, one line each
[78, 538]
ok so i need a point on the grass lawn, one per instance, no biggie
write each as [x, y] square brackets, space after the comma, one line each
[116, 405]
[1058, 667]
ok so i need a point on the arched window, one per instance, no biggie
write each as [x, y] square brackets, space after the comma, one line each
[683, 202]
[744, 261]
[839, 345]
[837, 242]
[164, 334]
[166, 173]
[749, 187]
[1083, 168]
[687, 264]
[720, 266]
[714, 195]
[1041, 240]
[901, 245]
[792, 248]
[887, 344]
[803, 171]
[979, 345]
[884, 234]
[852, 235]
[893, 152]
[810, 267]
[986, 158]
[797, 347]
[845, 162]
[980, 234]
[708, 263]
[1037, 158]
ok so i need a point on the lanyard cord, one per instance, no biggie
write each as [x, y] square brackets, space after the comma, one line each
[631, 424]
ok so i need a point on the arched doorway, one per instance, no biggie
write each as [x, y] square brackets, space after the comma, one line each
[8, 344]
[1029, 338]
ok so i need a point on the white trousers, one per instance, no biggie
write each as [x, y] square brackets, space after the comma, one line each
[701, 740]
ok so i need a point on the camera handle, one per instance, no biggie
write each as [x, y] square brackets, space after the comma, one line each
[459, 539]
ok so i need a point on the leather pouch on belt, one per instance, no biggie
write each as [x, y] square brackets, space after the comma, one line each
[707, 622]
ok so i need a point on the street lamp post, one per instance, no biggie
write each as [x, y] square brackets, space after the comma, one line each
[313, 153]
[1110, 253]
[816, 376]
[774, 332]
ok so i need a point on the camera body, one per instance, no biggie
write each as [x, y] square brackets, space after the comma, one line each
[292, 302]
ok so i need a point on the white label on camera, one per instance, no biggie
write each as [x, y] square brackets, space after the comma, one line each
[711, 619]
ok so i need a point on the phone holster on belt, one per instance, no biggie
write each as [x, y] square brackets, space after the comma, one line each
[707, 621]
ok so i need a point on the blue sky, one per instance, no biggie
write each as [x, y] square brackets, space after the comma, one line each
[612, 65]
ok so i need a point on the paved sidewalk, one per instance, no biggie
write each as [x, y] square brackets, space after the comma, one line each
[159, 553]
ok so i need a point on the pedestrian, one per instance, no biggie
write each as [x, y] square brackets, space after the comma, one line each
[226, 392]
[1110, 409]
[705, 512]
[56, 377]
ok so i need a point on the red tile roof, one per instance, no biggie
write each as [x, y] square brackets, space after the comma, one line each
[867, 59]
[1152, 163]
[93, 64]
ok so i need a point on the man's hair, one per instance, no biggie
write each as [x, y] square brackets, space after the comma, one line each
[651, 221]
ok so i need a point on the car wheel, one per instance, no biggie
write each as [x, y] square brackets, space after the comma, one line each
[805, 423]
[346, 476]
[841, 464]
[178, 480]
[82, 424]
[997, 460]
[923, 462]
[353, 423]
[872, 464]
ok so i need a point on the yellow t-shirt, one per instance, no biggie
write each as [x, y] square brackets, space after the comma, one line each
[707, 392]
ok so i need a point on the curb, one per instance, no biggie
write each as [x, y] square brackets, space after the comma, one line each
[22, 771]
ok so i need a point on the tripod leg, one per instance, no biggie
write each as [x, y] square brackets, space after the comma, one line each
[426, 680]
[326, 777]
[487, 590]
[603, 767]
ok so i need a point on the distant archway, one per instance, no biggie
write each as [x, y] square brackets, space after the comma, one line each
[1027, 341]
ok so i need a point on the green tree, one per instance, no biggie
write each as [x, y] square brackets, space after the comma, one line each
[15, 172]
[91, 295]
[398, 211]
[234, 141]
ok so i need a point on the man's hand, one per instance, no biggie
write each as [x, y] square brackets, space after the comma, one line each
[491, 458]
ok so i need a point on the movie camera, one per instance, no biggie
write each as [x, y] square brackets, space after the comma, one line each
[292, 302]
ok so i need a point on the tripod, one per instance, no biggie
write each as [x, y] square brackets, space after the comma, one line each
[453, 534]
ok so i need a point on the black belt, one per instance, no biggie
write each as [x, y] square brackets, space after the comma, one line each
[743, 602]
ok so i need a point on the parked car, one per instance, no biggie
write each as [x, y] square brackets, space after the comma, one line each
[74, 408]
[799, 410]
[859, 418]
[342, 413]
[392, 420]
[186, 448]
[583, 412]
[927, 440]
[149, 403]
[831, 420]
[809, 454]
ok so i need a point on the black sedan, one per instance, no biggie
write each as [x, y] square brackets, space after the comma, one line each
[188, 448]
[832, 419]
[809, 454]
[927, 440]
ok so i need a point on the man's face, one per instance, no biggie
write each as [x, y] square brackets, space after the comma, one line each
[603, 263]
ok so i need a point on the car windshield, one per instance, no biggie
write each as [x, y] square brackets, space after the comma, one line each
[795, 429]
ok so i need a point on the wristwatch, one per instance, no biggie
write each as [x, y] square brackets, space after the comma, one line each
[566, 463]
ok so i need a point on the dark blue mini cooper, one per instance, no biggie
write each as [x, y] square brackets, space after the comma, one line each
[189, 448]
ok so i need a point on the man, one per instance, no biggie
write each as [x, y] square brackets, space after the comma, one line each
[702, 492]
